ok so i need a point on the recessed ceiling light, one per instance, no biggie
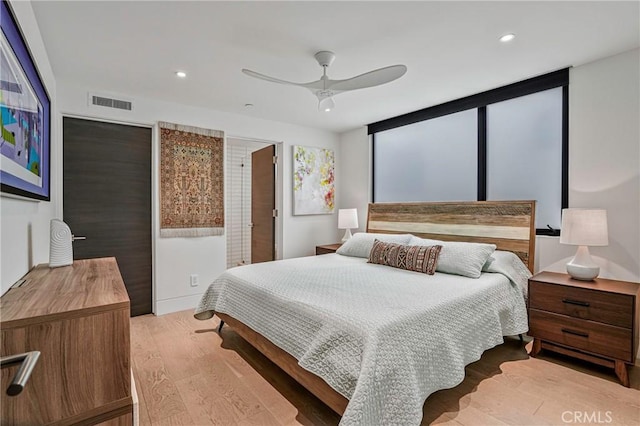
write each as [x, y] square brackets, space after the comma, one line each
[181, 74]
[507, 37]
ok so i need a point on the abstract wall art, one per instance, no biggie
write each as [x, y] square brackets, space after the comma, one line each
[313, 180]
[24, 116]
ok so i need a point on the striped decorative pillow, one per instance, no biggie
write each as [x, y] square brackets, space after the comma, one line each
[412, 258]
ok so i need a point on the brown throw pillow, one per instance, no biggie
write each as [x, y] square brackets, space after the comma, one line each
[412, 258]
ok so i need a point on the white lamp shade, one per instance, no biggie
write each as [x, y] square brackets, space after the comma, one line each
[584, 227]
[347, 218]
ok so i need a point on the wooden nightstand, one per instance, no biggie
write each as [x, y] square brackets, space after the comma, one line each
[596, 321]
[327, 248]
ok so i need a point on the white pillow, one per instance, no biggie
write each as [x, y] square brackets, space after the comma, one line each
[360, 244]
[459, 258]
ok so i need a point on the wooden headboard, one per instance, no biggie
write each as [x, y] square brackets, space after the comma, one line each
[510, 225]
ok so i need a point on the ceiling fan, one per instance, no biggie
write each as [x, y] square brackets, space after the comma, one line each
[325, 88]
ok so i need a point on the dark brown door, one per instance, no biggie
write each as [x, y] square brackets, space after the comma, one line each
[263, 204]
[107, 198]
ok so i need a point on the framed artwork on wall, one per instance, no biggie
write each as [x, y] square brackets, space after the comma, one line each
[313, 180]
[25, 116]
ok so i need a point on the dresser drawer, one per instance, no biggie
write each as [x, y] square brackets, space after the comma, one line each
[608, 308]
[606, 340]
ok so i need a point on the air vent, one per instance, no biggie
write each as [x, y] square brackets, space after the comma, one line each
[103, 101]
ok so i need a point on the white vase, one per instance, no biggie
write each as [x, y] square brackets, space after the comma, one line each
[60, 244]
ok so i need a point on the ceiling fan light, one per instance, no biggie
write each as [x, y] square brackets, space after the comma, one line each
[326, 104]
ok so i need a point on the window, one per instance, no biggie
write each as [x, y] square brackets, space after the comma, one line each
[524, 153]
[433, 160]
[504, 144]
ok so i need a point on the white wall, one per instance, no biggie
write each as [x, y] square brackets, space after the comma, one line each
[355, 173]
[604, 164]
[176, 258]
[24, 229]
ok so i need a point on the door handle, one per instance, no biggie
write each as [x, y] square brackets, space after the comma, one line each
[27, 362]
[74, 238]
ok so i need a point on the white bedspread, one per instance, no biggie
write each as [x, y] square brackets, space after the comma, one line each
[384, 338]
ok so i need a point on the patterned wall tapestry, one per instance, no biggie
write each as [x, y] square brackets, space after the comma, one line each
[191, 181]
[313, 180]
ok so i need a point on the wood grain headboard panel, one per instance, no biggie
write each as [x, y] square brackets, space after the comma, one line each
[510, 225]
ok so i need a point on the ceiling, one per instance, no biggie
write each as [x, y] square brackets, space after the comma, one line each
[451, 50]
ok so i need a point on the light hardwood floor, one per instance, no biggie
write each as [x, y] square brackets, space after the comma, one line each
[187, 374]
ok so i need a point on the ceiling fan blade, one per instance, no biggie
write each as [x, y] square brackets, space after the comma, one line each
[254, 74]
[314, 86]
[368, 79]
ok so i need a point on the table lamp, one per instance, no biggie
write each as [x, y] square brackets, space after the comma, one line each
[584, 228]
[347, 219]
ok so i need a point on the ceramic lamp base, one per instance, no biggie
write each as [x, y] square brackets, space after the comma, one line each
[347, 235]
[582, 267]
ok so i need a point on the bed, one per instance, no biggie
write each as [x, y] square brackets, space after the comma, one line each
[373, 342]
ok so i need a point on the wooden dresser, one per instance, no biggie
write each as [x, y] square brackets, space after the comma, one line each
[596, 321]
[78, 318]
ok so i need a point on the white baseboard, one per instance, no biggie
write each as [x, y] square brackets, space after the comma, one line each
[136, 402]
[176, 304]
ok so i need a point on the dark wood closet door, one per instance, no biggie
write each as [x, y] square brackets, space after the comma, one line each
[263, 202]
[107, 198]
